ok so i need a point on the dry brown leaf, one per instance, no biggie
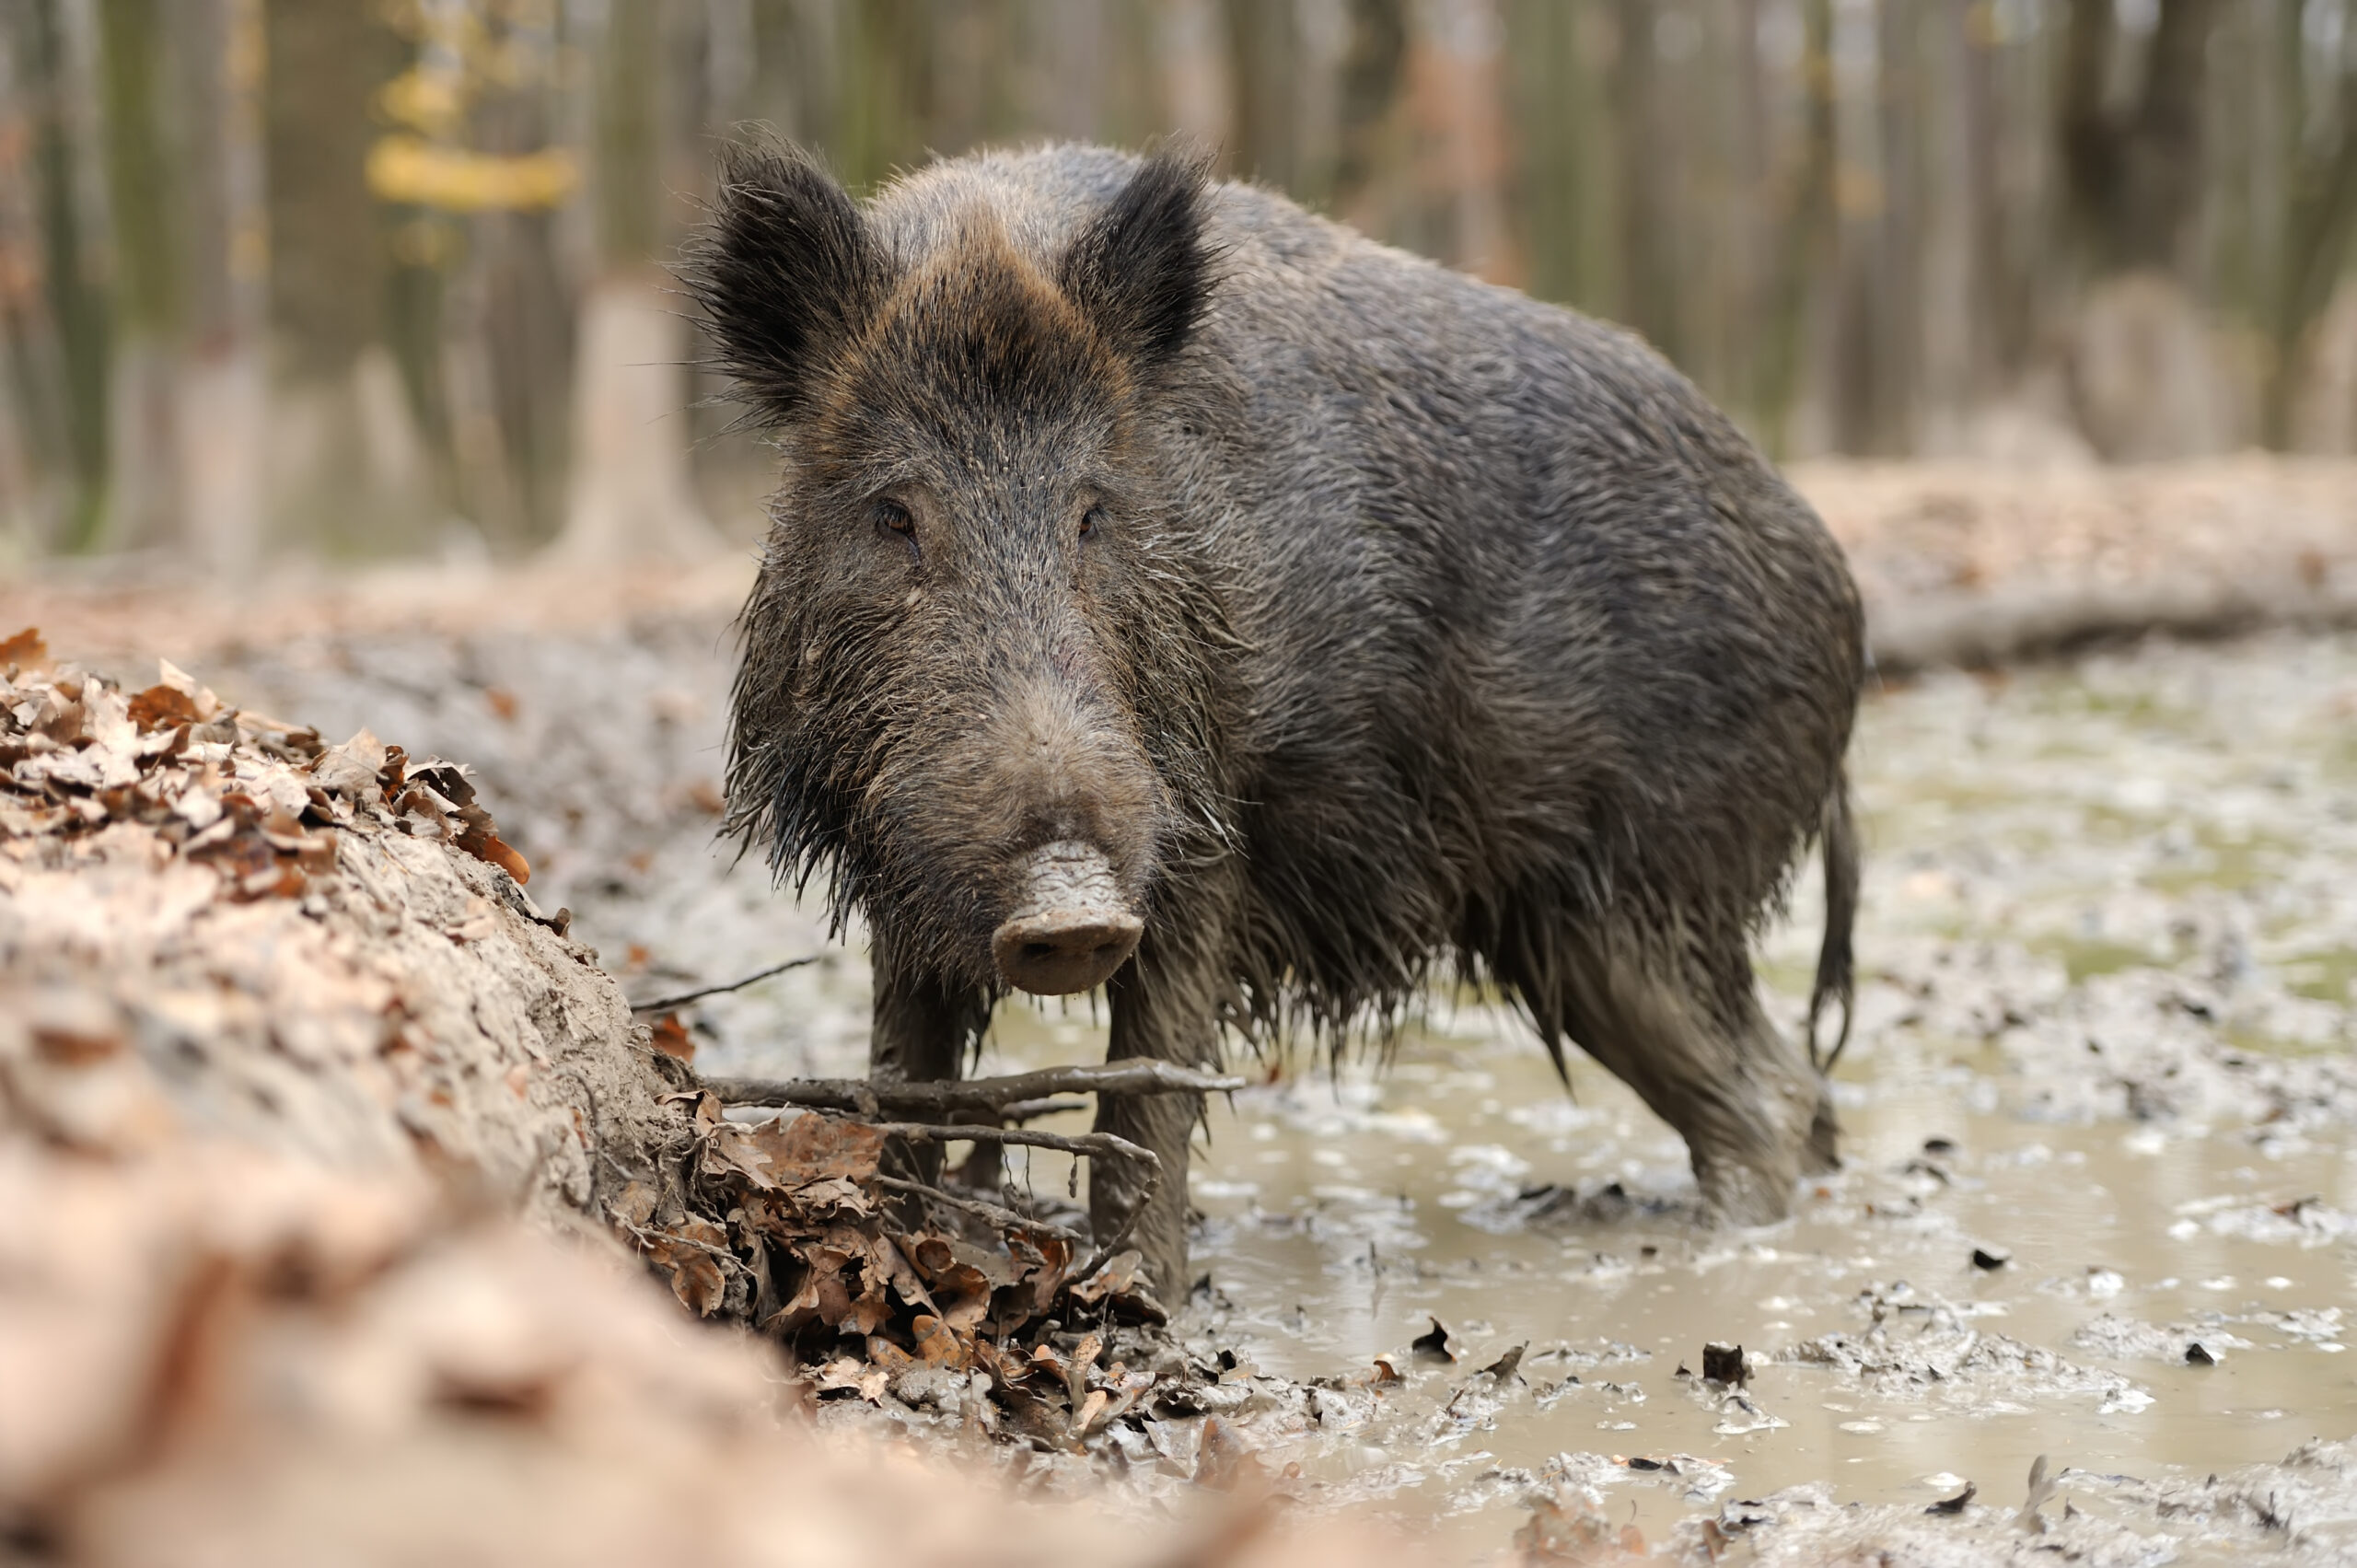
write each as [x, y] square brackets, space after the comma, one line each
[796, 1151]
[670, 1036]
[500, 852]
[847, 1372]
[25, 651]
[937, 1343]
[354, 769]
[159, 706]
[693, 1254]
[834, 1198]
[635, 1205]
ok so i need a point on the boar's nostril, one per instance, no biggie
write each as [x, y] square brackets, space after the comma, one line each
[1071, 929]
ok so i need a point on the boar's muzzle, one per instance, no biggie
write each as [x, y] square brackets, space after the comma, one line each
[1071, 928]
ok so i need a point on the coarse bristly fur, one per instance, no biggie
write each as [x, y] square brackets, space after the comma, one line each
[1369, 617]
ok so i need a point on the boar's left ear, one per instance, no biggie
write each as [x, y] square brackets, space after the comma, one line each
[1140, 270]
[787, 275]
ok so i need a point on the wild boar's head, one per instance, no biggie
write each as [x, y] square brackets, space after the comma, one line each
[974, 691]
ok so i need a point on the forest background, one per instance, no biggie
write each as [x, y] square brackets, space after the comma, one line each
[359, 279]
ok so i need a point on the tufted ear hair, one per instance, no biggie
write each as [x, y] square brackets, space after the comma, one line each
[1142, 269]
[786, 274]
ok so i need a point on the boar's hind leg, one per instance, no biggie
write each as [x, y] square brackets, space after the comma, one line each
[922, 1030]
[1167, 1010]
[1682, 1029]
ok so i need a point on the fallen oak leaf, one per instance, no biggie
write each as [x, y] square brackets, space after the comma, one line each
[1432, 1346]
[670, 1036]
[490, 847]
[693, 1255]
[25, 651]
[847, 1374]
[1508, 1364]
[937, 1343]
[834, 1198]
[1954, 1506]
[1126, 1391]
[1084, 1357]
[160, 707]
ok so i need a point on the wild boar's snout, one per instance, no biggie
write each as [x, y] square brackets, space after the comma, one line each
[1066, 764]
[1072, 927]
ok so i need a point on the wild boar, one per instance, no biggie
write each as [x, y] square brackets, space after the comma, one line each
[1174, 591]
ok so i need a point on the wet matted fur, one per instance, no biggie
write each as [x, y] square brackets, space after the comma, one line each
[1371, 618]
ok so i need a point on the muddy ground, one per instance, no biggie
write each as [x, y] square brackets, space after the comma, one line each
[2100, 1197]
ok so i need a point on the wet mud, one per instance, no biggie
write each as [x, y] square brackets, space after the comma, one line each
[2099, 1195]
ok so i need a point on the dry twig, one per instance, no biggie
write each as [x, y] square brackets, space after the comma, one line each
[664, 1004]
[1005, 1218]
[1092, 1144]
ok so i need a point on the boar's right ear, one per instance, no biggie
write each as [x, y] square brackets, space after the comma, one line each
[1140, 270]
[787, 275]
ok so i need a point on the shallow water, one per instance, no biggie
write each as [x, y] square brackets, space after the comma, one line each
[2137, 820]
[2108, 932]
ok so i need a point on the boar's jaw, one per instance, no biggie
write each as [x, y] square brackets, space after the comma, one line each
[1071, 929]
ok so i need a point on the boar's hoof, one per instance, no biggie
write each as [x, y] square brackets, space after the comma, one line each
[1071, 928]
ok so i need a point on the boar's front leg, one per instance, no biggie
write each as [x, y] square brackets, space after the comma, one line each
[923, 1031]
[1166, 1007]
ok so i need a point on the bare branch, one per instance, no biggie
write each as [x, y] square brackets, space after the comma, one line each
[1005, 1218]
[1132, 1077]
[1093, 1145]
[663, 1003]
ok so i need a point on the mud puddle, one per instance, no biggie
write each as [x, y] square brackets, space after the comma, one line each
[2109, 925]
[1343, 1217]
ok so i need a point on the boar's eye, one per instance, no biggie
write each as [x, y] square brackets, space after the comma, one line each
[890, 514]
[1089, 520]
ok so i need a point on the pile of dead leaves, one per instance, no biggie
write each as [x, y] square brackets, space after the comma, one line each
[954, 1305]
[88, 771]
[881, 1293]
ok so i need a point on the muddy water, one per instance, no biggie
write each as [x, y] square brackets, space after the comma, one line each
[2142, 864]
[2109, 929]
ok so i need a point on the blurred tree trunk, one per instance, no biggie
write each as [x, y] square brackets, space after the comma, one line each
[880, 120]
[2146, 380]
[1999, 341]
[1373, 69]
[2132, 172]
[630, 493]
[221, 418]
[59, 338]
[349, 472]
[1804, 226]
[1197, 85]
[2320, 215]
[1469, 135]
[144, 193]
[1650, 160]
[1265, 57]
[1563, 167]
[1895, 308]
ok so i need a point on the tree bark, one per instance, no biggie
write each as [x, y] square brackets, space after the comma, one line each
[2319, 219]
